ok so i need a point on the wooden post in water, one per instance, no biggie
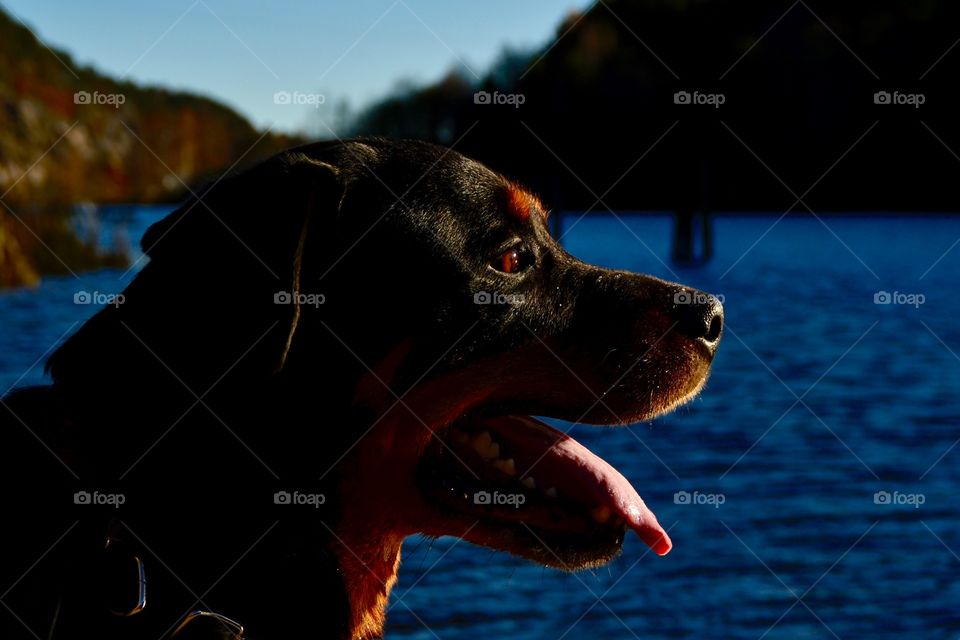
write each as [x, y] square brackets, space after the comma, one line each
[684, 250]
[706, 232]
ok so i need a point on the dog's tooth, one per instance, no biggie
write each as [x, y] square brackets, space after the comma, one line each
[529, 482]
[601, 514]
[482, 444]
[507, 466]
[552, 492]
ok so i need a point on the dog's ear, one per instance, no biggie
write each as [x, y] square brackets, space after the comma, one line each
[258, 222]
[264, 211]
[224, 274]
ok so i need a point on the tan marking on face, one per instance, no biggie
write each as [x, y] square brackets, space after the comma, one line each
[520, 203]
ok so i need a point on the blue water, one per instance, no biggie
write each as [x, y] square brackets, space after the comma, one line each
[799, 548]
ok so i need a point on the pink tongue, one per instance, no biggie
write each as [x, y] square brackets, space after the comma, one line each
[556, 459]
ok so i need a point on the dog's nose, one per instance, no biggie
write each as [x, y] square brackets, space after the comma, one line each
[699, 315]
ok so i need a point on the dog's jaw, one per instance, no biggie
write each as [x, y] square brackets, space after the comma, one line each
[379, 474]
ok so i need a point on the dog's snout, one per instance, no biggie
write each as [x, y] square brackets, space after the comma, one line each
[700, 316]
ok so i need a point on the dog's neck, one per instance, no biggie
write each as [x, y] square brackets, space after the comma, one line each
[369, 564]
[367, 540]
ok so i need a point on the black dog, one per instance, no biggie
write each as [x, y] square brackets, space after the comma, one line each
[325, 354]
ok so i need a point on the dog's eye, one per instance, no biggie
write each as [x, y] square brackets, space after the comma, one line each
[513, 260]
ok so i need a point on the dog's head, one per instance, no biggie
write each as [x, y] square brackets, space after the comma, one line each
[414, 305]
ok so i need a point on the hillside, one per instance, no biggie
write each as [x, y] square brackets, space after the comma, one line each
[99, 158]
[69, 134]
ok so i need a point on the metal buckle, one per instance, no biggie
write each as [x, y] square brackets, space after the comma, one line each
[117, 550]
[206, 625]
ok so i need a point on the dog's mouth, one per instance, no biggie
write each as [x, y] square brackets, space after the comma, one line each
[531, 490]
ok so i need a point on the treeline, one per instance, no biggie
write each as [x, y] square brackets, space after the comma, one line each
[720, 104]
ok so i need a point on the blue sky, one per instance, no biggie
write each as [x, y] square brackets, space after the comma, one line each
[243, 52]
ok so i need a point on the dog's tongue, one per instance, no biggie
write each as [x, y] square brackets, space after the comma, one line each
[555, 459]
